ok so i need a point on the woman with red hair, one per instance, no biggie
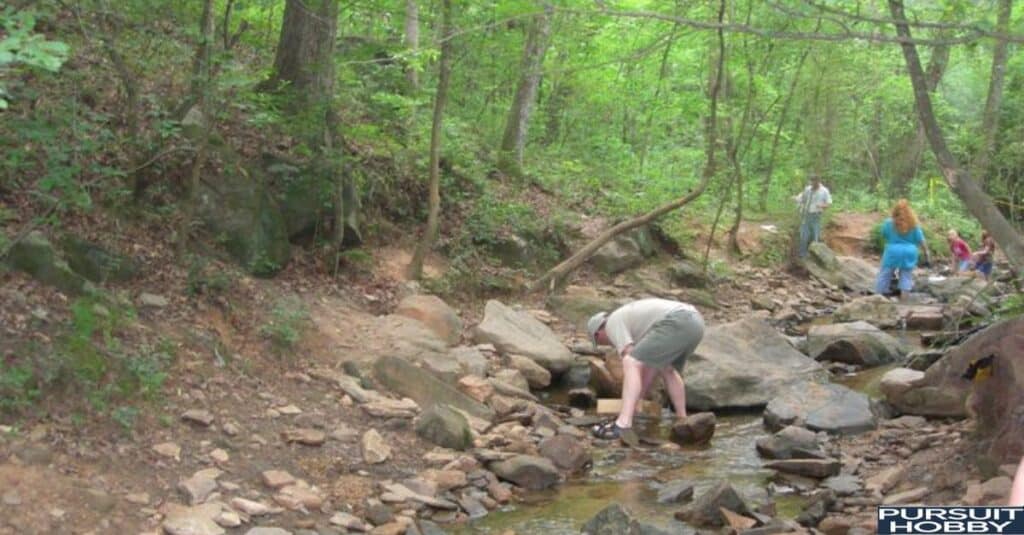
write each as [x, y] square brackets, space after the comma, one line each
[903, 236]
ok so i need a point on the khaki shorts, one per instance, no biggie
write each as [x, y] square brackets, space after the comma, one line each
[670, 340]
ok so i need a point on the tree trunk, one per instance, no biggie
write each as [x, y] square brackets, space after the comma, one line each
[440, 99]
[305, 60]
[909, 164]
[766, 183]
[990, 118]
[412, 41]
[662, 70]
[201, 81]
[958, 178]
[734, 244]
[513, 142]
[556, 275]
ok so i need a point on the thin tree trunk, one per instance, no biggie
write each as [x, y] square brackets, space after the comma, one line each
[412, 40]
[556, 275]
[201, 81]
[204, 53]
[911, 160]
[958, 178]
[990, 117]
[734, 243]
[662, 70]
[513, 142]
[766, 183]
[440, 99]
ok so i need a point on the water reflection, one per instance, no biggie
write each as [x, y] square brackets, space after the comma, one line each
[633, 477]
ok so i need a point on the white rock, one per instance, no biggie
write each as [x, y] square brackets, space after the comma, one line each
[250, 507]
[349, 522]
[375, 450]
[169, 450]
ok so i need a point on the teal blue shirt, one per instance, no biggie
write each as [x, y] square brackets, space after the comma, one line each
[900, 249]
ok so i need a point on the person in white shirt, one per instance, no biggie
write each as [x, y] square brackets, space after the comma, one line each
[812, 202]
[654, 337]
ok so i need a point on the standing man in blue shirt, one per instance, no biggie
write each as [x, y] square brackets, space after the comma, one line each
[812, 202]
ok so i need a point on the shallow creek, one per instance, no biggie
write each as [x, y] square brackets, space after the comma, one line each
[632, 477]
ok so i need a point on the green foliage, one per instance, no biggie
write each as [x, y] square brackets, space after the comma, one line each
[204, 279]
[18, 388]
[21, 46]
[288, 319]
[125, 416]
[876, 243]
[1011, 307]
[88, 358]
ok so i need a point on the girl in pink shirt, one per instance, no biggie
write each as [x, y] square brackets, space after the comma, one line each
[961, 252]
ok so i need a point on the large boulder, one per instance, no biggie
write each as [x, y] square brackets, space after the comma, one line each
[877, 310]
[411, 340]
[576, 304]
[96, 263]
[240, 212]
[536, 376]
[567, 452]
[409, 380]
[849, 272]
[471, 359]
[896, 383]
[515, 331]
[445, 427]
[821, 407]
[695, 429]
[858, 343]
[35, 255]
[791, 442]
[617, 520]
[947, 289]
[744, 364]
[514, 250]
[991, 390]
[623, 252]
[706, 510]
[688, 274]
[306, 197]
[527, 471]
[433, 312]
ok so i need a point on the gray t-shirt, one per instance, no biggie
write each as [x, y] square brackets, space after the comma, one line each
[628, 323]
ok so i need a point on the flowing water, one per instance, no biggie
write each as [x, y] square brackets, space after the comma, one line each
[632, 477]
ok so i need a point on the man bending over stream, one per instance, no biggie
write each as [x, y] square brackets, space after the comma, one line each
[654, 337]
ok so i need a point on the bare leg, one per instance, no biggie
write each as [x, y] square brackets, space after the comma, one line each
[676, 390]
[632, 384]
[647, 377]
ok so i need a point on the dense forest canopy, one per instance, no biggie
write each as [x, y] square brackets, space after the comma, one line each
[603, 102]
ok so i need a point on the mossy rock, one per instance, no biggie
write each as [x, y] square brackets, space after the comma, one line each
[245, 219]
[306, 198]
[35, 255]
[688, 274]
[238, 208]
[445, 427]
[96, 263]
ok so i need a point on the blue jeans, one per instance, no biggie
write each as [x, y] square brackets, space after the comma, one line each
[885, 278]
[810, 231]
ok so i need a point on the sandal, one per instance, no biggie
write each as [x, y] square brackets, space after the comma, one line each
[607, 431]
[610, 430]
